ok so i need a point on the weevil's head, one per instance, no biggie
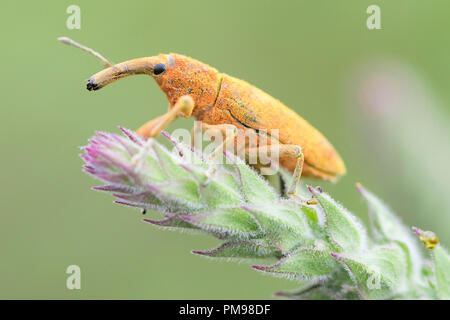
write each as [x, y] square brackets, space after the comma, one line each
[176, 75]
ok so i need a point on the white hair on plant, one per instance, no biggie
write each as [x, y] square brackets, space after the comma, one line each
[323, 246]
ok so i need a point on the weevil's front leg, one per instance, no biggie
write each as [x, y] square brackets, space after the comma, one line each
[182, 108]
[283, 151]
[146, 129]
[151, 129]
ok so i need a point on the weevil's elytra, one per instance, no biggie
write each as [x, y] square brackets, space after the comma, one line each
[222, 99]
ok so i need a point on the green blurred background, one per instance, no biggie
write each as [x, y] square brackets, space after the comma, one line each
[363, 89]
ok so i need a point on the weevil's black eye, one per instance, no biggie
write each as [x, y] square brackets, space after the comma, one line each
[159, 68]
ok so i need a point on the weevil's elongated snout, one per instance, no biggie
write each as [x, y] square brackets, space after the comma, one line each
[175, 74]
[121, 70]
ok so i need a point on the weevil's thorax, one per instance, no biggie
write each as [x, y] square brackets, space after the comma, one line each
[187, 76]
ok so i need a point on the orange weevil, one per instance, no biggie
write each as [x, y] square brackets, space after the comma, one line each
[217, 99]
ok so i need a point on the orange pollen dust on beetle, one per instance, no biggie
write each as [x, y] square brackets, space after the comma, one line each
[217, 99]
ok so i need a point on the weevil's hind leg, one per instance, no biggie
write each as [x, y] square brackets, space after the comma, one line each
[287, 150]
[182, 108]
[292, 190]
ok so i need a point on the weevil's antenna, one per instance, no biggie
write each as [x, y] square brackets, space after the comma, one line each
[70, 42]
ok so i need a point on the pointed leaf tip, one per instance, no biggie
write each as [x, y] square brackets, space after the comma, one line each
[302, 263]
[167, 135]
[417, 231]
[260, 268]
[231, 222]
[132, 136]
[173, 222]
[202, 253]
[155, 222]
[247, 249]
[344, 229]
[279, 294]
[127, 203]
[359, 187]
[335, 255]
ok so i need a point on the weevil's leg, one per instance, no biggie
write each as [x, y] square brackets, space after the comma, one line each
[196, 135]
[292, 190]
[146, 129]
[250, 140]
[229, 132]
[183, 108]
[287, 150]
[151, 129]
